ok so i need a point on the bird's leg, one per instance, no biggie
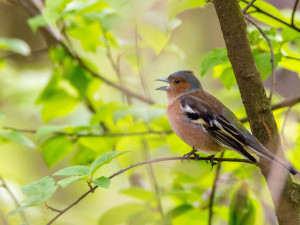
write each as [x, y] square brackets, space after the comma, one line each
[188, 155]
[211, 161]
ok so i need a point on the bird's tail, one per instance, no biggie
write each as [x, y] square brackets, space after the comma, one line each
[262, 151]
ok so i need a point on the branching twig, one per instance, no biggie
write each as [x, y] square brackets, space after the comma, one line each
[213, 191]
[248, 6]
[294, 11]
[272, 56]
[48, 32]
[283, 104]
[51, 208]
[258, 10]
[144, 163]
[13, 197]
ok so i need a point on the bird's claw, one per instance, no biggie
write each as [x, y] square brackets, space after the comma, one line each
[188, 155]
[211, 161]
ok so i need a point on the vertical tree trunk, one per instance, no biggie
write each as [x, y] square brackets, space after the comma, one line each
[286, 199]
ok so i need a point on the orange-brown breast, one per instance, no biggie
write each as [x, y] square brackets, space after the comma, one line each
[191, 134]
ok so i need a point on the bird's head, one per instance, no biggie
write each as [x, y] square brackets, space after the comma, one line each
[180, 82]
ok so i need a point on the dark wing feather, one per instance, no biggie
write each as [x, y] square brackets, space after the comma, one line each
[215, 124]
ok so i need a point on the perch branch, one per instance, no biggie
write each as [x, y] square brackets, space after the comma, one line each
[139, 164]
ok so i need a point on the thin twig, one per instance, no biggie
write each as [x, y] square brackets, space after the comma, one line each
[290, 57]
[108, 82]
[153, 179]
[283, 104]
[258, 10]
[272, 56]
[213, 191]
[51, 208]
[294, 11]
[13, 197]
[139, 64]
[95, 135]
[145, 163]
[48, 32]
[248, 6]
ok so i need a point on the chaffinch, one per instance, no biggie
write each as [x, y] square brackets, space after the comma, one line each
[205, 124]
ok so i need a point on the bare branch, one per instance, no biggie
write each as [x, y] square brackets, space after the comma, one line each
[248, 6]
[145, 163]
[51, 208]
[272, 56]
[259, 10]
[213, 191]
[294, 11]
[283, 104]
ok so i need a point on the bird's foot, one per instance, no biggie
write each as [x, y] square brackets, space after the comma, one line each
[191, 153]
[211, 161]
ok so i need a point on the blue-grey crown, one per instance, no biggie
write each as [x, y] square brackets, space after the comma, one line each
[188, 76]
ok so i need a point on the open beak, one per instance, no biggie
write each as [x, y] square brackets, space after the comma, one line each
[163, 88]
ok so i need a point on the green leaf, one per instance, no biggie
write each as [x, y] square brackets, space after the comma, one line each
[65, 182]
[17, 137]
[47, 129]
[175, 7]
[138, 192]
[148, 114]
[267, 7]
[15, 45]
[39, 191]
[104, 159]
[105, 113]
[36, 22]
[21, 208]
[227, 77]
[288, 34]
[89, 42]
[213, 58]
[56, 148]
[123, 212]
[78, 77]
[53, 9]
[263, 63]
[58, 105]
[178, 210]
[154, 37]
[103, 182]
[241, 208]
[73, 171]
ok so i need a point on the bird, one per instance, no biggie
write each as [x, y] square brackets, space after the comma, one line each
[206, 124]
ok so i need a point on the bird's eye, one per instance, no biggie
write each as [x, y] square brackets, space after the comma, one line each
[177, 81]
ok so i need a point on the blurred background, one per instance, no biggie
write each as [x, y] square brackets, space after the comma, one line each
[130, 43]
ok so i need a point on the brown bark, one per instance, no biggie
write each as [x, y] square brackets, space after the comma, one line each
[287, 198]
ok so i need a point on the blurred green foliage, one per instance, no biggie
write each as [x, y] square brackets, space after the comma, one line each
[117, 122]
